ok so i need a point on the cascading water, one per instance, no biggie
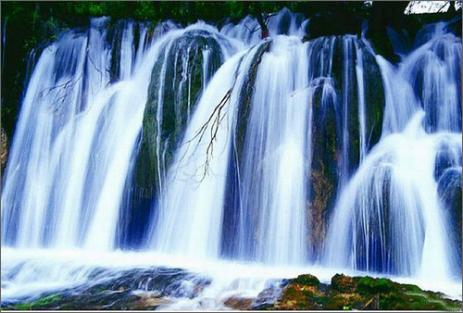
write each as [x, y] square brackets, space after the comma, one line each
[391, 217]
[185, 65]
[71, 125]
[218, 147]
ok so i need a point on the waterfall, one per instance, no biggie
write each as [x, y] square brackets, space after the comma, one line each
[71, 125]
[179, 76]
[196, 177]
[275, 147]
[391, 217]
[213, 145]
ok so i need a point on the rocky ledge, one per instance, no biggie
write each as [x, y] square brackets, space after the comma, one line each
[357, 293]
[149, 289]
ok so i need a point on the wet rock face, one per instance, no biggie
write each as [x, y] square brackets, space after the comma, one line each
[336, 145]
[447, 173]
[178, 78]
[4, 148]
[338, 89]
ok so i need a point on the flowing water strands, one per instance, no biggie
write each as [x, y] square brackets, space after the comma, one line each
[213, 146]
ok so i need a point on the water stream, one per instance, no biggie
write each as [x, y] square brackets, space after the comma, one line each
[207, 148]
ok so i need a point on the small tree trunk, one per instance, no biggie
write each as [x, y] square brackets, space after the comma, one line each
[263, 26]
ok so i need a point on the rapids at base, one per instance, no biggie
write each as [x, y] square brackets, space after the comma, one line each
[51, 271]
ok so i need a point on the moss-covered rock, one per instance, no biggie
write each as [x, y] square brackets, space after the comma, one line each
[343, 283]
[299, 297]
[50, 301]
[337, 143]
[148, 289]
[368, 285]
[361, 293]
[177, 81]
[106, 299]
[306, 279]
[135, 289]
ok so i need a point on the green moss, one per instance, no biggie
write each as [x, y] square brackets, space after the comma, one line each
[22, 306]
[360, 293]
[46, 301]
[41, 303]
[321, 300]
[396, 301]
[343, 283]
[369, 285]
[306, 279]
